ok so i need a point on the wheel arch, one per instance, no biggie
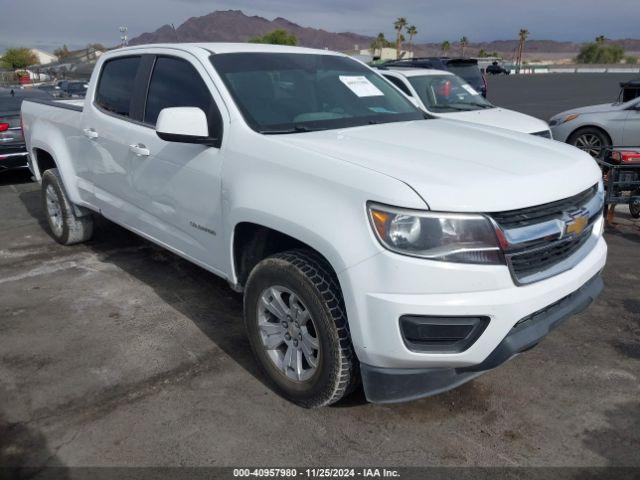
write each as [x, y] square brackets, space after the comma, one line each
[590, 125]
[252, 242]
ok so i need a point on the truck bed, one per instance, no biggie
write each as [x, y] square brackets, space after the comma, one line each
[77, 105]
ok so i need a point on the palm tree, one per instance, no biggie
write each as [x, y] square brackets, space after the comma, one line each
[445, 46]
[399, 25]
[522, 36]
[378, 44]
[412, 31]
[464, 41]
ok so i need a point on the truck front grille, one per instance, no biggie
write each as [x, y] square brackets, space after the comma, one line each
[540, 241]
[534, 260]
[541, 213]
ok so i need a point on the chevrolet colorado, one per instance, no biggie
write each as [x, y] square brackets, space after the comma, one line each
[373, 243]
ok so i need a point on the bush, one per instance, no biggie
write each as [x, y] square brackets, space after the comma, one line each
[630, 60]
[599, 52]
[277, 37]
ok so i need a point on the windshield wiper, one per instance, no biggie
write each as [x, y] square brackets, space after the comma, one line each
[293, 129]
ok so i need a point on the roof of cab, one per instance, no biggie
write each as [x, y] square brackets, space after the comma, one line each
[416, 72]
[214, 47]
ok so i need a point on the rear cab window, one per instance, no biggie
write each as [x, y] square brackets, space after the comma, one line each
[116, 85]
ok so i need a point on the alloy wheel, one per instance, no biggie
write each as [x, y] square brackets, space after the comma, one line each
[590, 143]
[288, 333]
[54, 210]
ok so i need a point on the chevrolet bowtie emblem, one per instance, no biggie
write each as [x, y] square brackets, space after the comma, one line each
[576, 225]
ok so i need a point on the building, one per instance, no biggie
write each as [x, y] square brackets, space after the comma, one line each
[386, 53]
[88, 54]
[44, 58]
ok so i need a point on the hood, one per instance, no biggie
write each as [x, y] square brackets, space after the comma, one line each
[501, 118]
[459, 166]
[603, 107]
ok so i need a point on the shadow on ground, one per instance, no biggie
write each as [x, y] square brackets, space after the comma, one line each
[14, 177]
[24, 452]
[615, 441]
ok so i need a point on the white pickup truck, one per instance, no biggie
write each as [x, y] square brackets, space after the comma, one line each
[373, 243]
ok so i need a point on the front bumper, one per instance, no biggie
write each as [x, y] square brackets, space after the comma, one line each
[384, 288]
[387, 385]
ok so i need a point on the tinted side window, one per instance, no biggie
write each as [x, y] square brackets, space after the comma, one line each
[176, 83]
[398, 83]
[116, 85]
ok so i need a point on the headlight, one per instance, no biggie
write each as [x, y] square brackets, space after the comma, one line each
[446, 237]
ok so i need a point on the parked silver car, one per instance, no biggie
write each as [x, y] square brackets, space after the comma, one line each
[598, 126]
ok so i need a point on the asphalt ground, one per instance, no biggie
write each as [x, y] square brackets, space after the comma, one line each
[544, 95]
[119, 353]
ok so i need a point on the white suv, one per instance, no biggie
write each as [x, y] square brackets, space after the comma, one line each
[371, 243]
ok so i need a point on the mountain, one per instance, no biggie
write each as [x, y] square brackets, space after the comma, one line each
[235, 26]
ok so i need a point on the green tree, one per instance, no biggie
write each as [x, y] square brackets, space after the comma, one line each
[399, 25]
[600, 39]
[599, 52]
[445, 46]
[379, 43]
[630, 60]
[276, 37]
[62, 52]
[15, 58]
[412, 31]
[464, 41]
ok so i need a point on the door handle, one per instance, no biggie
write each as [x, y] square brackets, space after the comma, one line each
[140, 150]
[90, 133]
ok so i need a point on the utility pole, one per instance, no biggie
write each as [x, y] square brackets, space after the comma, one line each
[124, 41]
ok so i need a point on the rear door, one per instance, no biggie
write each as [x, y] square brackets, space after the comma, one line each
[106, 128]
[176, 187]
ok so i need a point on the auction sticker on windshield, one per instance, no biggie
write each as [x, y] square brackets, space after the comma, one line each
[361, 86]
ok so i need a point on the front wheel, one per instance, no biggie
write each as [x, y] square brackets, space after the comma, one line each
[297, 327]
[591, 140]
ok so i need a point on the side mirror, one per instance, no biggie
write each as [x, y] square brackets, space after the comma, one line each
[183, 125]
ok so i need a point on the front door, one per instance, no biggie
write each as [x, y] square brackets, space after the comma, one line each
[176, 187]
[631, 136]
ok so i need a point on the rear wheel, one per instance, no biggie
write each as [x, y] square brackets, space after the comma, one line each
[634, 206]
[67, 227]
[297, 327]
[591, 140]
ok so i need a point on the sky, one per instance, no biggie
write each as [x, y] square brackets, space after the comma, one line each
[49, 23]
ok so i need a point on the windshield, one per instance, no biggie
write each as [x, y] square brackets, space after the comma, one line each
[288, 93]
[447, 93]
[469, 71]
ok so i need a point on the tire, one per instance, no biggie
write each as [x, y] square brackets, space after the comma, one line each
[591, 140]
[66, 227]
[634, 207]
[292, 288]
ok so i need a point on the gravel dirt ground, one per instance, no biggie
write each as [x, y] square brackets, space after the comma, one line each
[117, 352]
